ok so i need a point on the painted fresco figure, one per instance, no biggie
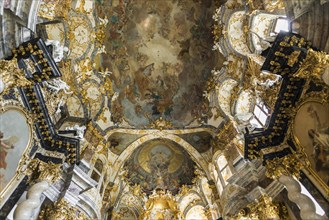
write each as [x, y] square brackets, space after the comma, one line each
[5, 145]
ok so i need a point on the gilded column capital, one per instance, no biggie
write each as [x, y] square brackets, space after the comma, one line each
[38, 171]
[288, 165]
[61, 210]
[263, 208]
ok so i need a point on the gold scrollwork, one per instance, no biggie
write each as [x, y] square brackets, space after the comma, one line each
[158, 204]
[12, 76]
[263, 208]
[38, 171]
[275, 5]
[287, 165]
[161, 124]
[224, 136]
[313, 65]
[61, 210]
[184, 190]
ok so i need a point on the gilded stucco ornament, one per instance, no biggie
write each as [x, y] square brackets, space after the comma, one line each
[263, 85]
[263, 208]
[184, 190]
[12, 76]
[136, 190]
[275, 5]
[81, 9]
[235, 66]
[161, 124]
[224, 136]
[313, 65]
[288, 165]
[55, 9]
[199, 174]
[217, 32]
[234, 4]
[61, 210]
[100, 35]
[38, 170]
[161, 205]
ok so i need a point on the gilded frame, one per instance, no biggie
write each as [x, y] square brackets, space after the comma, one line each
[308, 169]
[19, 173]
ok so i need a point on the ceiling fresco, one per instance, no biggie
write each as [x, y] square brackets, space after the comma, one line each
[160, 56]
[199, 140]
[160, 164]
[120, 141]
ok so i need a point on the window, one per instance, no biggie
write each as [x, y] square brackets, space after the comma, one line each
[224, 169]
[280, 24]
[261, 114]
[222, 173]
[97, 171]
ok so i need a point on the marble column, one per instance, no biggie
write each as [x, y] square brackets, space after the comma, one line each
[305, 204]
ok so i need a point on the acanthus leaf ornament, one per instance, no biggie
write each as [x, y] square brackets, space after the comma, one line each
[37, 170]
[61, 210]
[161, 124]
[288, 165]
[263, 208]
[313, 65]
[12, 76]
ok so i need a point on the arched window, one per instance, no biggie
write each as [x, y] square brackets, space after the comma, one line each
[261, 115]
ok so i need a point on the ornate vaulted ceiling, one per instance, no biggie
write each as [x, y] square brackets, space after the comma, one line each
[141, 65]
[147, 112]
[160, 55]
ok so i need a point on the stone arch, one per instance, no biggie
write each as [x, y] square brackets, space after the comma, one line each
[195, 155]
